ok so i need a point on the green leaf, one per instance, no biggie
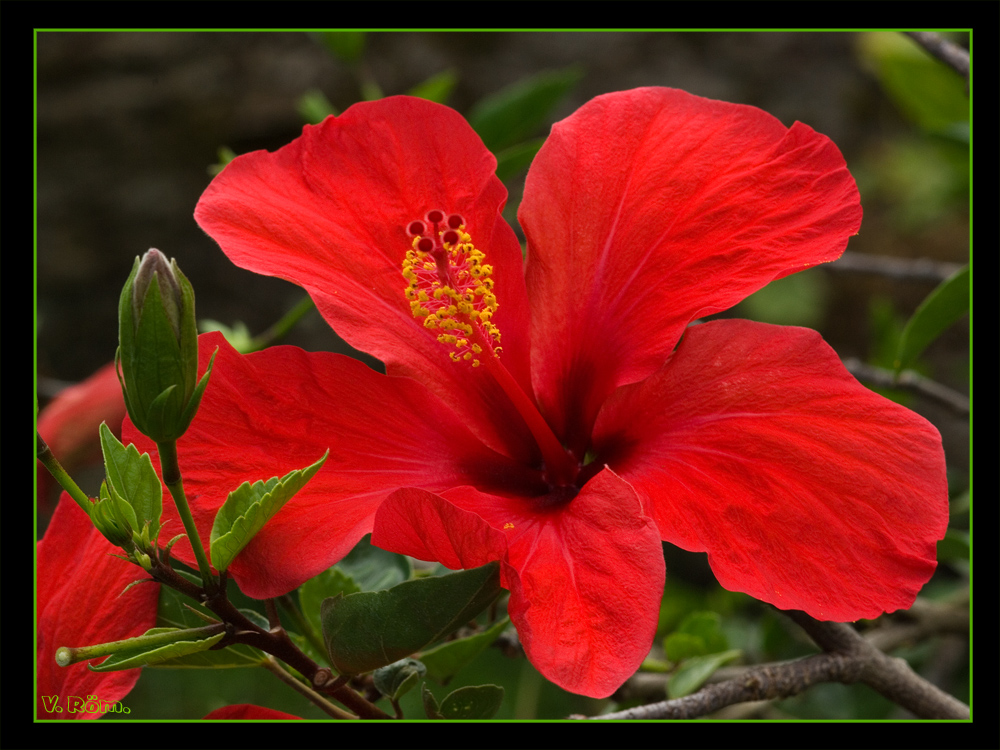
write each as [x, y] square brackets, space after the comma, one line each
[515, 159]
[371, 629]
[692, 674]
[249, 507]
[314, 107]
[928, 92]
[239, 336]
[397, 679]
[348, 46]
[954, 547]
[945, 305]
[471, 703]
[373, 569]
[708, 627]
[444, 661]
[681, 646]
[132, 478]
[698, 634]
[183, 644]
[437, 87]
[796, 300]
[520, 110]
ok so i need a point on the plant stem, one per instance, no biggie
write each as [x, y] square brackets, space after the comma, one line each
[272, 666]
[172, 478]
[302, 624]
[50, 462]
[283, 326]
[277, 644]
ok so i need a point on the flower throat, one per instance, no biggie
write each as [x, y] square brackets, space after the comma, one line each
[451, 289]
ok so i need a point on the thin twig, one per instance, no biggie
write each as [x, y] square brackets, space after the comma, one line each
[272, 665]
[950, 54]
[891, 677]
[910, 381]
[849, 659]
[771, 682]
[903, 269]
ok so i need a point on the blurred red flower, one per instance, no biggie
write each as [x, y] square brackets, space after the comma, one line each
[80, 603]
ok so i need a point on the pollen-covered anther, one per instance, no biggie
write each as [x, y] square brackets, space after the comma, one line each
[450, 287]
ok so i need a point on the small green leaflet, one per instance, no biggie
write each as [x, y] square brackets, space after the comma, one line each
[249, 507]
[133, 479]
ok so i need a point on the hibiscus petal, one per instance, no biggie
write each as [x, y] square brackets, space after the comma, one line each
[274, 411]
[424, 525]
[69, 425]
[586, 579]
[249, 712]
[80, 603]
[648, 208]
[806, 489]
[329, 211]
[585, 576]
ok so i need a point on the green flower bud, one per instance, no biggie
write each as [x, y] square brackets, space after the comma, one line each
[158, 348]
[114, 518]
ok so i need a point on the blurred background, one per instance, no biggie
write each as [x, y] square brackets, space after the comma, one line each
[131, 125]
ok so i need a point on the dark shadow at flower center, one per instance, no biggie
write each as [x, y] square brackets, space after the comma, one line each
[556, 497]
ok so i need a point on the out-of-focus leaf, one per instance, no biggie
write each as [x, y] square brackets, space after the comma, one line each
[374, 569]
[238, 336]
[519, 110]
[516, 159]
[954, 547]
[925, 90]
[692, 674]
[437, 88]
[348, 46]
[444, 661]
[681, 646]
[708, 627]
[945, 305]
[314, 107]
[796, 300]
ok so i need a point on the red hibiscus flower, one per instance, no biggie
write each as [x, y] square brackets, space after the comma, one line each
[557, 413]
[80, 603]
[248, 712]
[69, 425]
